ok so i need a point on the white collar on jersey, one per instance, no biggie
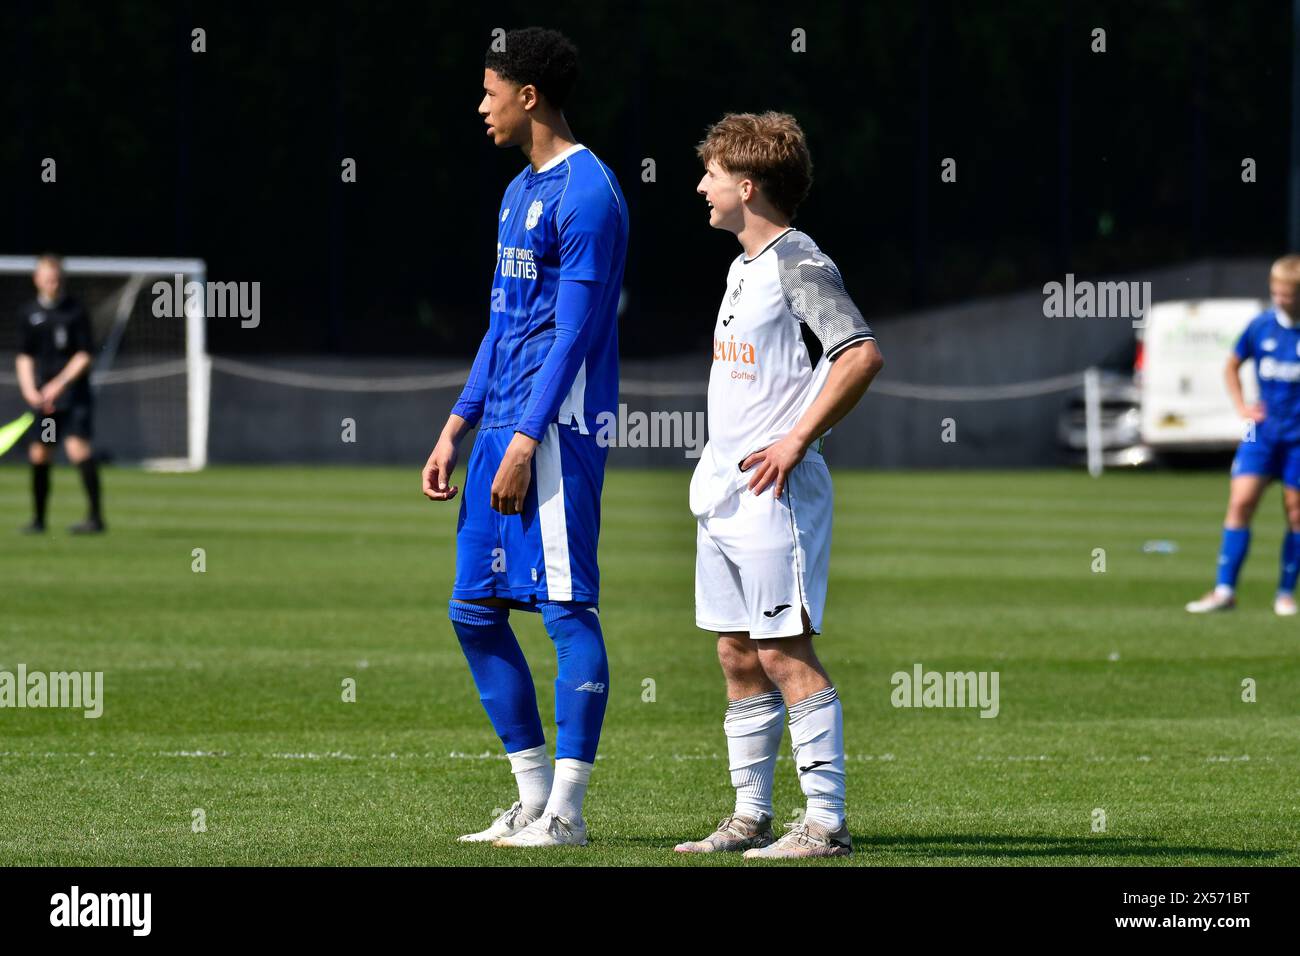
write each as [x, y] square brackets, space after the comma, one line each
[556, 160]
[1283, 319]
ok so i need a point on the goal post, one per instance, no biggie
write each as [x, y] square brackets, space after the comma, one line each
[152, 373]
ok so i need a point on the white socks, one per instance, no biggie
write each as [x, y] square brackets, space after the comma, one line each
[532, 772]
[569, 788]
[542, 791]
[753, 727]
[817, 737]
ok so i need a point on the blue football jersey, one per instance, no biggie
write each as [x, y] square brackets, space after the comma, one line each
[1276, 350]
[566, 221]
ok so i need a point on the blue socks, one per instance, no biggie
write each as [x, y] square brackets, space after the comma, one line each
[1232, 555]
[1290, 562]
[505, 685]
[582, 684]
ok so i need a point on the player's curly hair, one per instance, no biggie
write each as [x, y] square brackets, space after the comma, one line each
[768, 148]
[546, 59]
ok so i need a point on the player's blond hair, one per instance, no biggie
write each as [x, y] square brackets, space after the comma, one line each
[768, 148]
[1287, 269]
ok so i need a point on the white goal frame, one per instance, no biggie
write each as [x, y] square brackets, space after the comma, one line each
[198, 364]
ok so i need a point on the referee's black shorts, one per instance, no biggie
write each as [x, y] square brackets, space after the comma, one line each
[77, 421]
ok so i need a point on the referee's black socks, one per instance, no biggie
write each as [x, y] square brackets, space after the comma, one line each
[40, 490]
[90, 479]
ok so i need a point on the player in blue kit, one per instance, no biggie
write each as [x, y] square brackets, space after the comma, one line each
[1271, 448]
[546, 369]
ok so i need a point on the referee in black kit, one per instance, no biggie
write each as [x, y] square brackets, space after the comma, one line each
[53, 365]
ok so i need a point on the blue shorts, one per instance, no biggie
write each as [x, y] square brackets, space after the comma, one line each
[548, 553]
[1272, 458]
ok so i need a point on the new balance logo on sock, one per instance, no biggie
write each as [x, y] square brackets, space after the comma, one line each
[593, 687]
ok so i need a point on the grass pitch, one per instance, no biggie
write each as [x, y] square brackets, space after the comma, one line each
[223, 688]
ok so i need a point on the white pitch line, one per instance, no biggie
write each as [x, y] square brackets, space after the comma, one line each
[488, 755]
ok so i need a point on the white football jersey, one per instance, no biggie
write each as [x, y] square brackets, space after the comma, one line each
[784, 317]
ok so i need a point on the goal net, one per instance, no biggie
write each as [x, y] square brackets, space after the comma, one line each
[151, 375]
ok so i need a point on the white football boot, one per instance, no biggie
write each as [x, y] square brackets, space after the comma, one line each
[550, 829]
[1284, 605]
[806, 839]
[1215, 600]
[734, 834]
[508, 824]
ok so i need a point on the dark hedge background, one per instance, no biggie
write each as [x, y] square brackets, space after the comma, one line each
[1067, 160]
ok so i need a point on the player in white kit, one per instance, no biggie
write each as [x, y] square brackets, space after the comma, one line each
[791, 357]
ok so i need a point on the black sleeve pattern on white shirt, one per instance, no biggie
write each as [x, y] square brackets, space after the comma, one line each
[815, 294]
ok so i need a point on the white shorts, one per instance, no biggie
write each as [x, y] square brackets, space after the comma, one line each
[760, 559]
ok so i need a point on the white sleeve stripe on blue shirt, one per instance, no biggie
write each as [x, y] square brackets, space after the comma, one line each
[559, 203]
[601, 167]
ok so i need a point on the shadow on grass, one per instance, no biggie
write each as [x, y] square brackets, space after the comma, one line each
[1009, 845]
[1006, 846]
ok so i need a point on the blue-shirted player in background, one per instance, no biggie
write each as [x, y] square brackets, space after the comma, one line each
[547, 367]
[1271, 448]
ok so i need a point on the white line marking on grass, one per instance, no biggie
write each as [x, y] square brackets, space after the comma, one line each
[485, 755]
[1014, 758]
[489, 755]
[884, 757]
[193, 753]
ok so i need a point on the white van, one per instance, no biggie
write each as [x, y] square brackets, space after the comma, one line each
[1183, 350]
